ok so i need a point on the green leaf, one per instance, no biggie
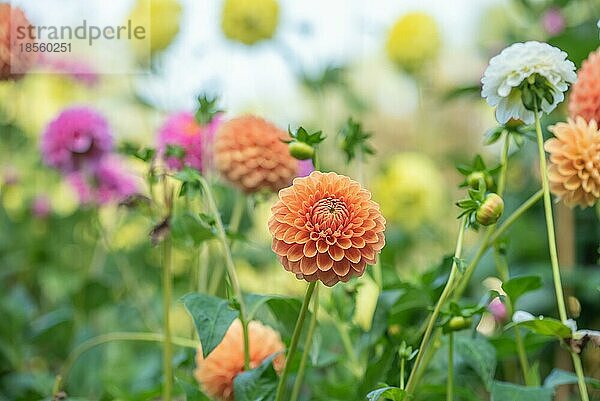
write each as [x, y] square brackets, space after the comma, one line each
[192, 392]
[212, 317]
[502, 391]
[544, 326]
[559, 377]
[190, 229]
[479, 354]
[387, 393]
[257, 384]
[518, 286]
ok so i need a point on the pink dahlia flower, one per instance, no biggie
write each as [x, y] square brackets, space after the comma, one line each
[77, 138]
[183, 131]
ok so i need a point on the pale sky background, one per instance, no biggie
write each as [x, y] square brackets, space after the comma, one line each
[316, 32]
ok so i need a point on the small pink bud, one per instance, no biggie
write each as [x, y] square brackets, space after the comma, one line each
[553, 21]
[498, 310]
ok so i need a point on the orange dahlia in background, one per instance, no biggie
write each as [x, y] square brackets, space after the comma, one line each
[326, 227]
[574, 170]
[14, 62]
[226, 361]
[585, 93]
[250, 153]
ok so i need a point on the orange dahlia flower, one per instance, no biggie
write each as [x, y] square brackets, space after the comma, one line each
[585, 93]
[226, 361]
[574, 171]
[14, 62]
[326, 227]
[250, 153]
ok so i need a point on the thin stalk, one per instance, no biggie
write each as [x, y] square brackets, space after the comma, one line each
[516, 215]
[294, 342]
[347, 343]
[560, 299]
[105, 338]
[237, 213]
[167, 295]
[504, 165]
[307, 344]
[402, 365]
[230, 265]
[410, 385]
[450, 382]
[523, 357]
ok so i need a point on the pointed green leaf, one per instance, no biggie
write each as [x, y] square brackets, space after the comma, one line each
[518, 286]
[212, 317]
[257, 384]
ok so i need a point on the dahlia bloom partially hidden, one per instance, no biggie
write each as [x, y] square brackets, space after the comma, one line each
[326, 227]
[106, 182]
[513, 67]
[413, 41]
[76, 138]
[14, 62]
[410, 190]
[584, 99]
[574, 169]
[250, 153]
[182, 130]
[217, 372]
[250, 21]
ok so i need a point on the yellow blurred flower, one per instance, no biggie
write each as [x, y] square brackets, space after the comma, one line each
[161, 19]
[410, 191]
[413, 40]
[250, 21]
[34, 101]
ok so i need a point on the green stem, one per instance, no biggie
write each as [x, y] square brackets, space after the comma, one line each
[307, 344]
[410, 385]
[580, 376]
[105, 338]
[560, 298]
[504, 165]
[167, 295]
[523, 357]
[294, 342]
[347, 343]
[516, 215]
[230, 265]
[450, 382]
[402, 364]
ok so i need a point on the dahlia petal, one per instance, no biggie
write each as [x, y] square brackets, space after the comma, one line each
[310, 249]
[353, 254]
[336, 253]
[308, 265]
[295, 252]
[341, 268]
[324, 262]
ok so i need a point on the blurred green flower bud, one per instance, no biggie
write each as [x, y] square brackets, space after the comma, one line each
[490, 210]
[475, 177]
[458, 323]
[301, 150]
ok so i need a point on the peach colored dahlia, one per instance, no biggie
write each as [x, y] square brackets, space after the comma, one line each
[585, 93]
[250, 153]
[326, 227]
[574, 171]
[226, 361]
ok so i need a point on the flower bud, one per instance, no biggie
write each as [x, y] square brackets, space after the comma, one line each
[498, 310]
[475, 177]
[301, 150]
[458, 323]
[490, 210]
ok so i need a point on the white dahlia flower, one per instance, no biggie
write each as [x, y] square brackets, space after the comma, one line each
[521, 71]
